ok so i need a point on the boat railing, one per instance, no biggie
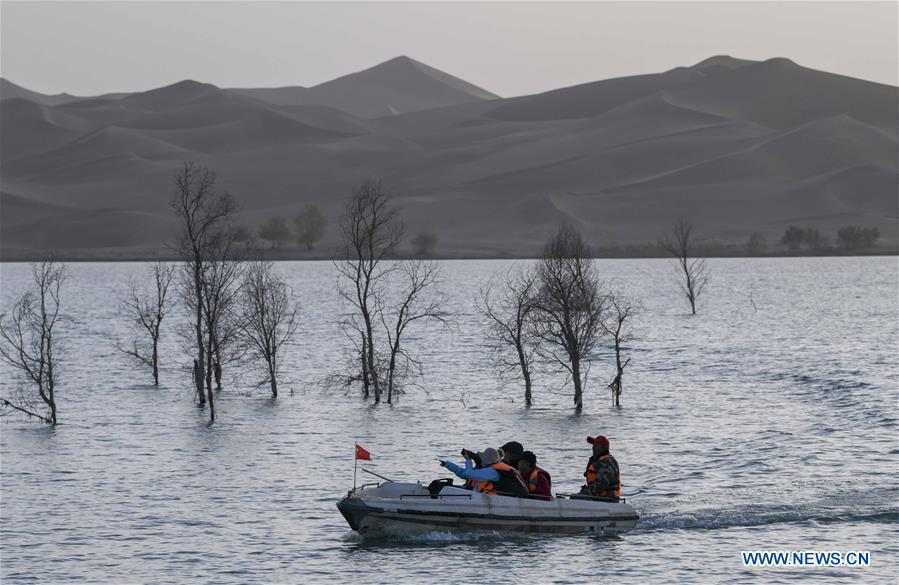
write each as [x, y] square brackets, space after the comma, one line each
[612, 500]
[362, 487]
[436, 496]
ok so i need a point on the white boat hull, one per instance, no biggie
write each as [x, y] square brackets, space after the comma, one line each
[408, 508]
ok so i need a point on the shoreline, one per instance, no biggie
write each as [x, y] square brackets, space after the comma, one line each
[291, 256]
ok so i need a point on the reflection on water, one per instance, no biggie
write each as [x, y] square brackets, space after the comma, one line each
[768, 421]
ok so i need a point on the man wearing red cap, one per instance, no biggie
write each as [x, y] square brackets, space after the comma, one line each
[603, 475]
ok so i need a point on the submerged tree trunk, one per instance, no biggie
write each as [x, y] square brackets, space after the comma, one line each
[616, 383]
[525, 375]
[528, 395]
[370, 358]
[51, 394]
[217, 366]
[391, 371]
[578, 389]
[200, 374]
[210, 395]
[211, 398]
[156, 361]
[273, 380]
[363, 357]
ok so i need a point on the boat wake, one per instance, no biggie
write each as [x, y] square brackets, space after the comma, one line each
[432, 537]
[715, 519]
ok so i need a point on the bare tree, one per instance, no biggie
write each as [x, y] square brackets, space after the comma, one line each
[148, 310]
[30, 345]
[693, 273]
[204, 215]
[371, 232]
[222, 280]
[268, 320]
[616, 323]
[508, 324]
[568, 305]
[418, 277]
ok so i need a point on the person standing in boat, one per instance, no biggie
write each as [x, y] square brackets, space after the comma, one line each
[494, 477]
[538, 480]
[603, 475]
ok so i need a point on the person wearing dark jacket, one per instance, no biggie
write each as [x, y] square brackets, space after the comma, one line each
[538, 480]
[602, 474]
[511, 453]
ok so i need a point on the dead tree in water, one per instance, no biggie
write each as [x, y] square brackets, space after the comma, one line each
[371, 232]
[268, 321]
[616, 323]
[568, 305]
[370, 281]
[203, 214]
[508, 324]
[419, 276]
[30, 344]
[148, 310]
[692, 272]
[222, 281]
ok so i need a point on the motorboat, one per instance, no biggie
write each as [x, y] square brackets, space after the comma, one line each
[397, 507]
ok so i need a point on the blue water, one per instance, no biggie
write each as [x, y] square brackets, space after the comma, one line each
[767, 421]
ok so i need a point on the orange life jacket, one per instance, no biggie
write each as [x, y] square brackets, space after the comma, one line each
[592, 472]
[532, 480]
[505, 484]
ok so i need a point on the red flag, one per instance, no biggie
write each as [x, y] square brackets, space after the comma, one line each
[362, 453]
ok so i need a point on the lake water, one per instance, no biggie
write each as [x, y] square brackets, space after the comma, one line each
[767, 421]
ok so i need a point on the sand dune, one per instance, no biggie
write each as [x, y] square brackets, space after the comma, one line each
[780, 94]
[735, 145]
[590, 99]
[397, 86]
[9, 90]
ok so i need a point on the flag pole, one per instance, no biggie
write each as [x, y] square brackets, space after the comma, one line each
[355, 464]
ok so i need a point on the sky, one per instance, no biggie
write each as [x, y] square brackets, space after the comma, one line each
[509, 48]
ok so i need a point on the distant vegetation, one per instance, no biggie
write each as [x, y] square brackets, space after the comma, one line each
[796, 241]
[310, 225]
[275, 231]
[242, 234]
[854, 237]
[423, 244]
[850, 238]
